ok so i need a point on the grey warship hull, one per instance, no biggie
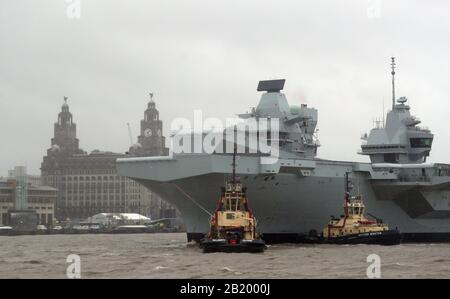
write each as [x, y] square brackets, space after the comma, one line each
[290, 206]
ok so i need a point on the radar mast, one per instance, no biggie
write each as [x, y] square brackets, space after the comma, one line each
[393, 81]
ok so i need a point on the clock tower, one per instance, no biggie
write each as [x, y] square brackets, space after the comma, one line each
[151, 141]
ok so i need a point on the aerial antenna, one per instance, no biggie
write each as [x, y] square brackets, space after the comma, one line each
[347, 182]
[393, 81]
[358, 186]
[129, 133]
[234, 156]
[347, 189]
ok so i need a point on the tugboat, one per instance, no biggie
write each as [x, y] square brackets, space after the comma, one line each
[233, 225]
[354, 228]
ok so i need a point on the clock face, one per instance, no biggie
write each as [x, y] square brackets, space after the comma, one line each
[159, 133]
[148, 132]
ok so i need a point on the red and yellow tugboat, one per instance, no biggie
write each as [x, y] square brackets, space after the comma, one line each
[355, 228]
[233, 224]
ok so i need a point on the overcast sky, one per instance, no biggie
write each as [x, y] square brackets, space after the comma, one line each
[210, 55]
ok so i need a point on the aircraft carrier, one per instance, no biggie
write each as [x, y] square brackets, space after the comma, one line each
[294, 197]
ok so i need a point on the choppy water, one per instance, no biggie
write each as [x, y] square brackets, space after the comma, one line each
[169, 256]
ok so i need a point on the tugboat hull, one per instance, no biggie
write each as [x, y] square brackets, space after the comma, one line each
[211, 245]
[389, 237]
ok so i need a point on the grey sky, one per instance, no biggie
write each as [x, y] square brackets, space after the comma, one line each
[209, 55]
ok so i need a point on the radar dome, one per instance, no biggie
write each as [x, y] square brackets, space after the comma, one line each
[295, 109]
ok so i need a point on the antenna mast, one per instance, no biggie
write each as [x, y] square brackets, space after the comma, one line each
[393, 81]
[234, 157]
[347, 191]
[347, 185]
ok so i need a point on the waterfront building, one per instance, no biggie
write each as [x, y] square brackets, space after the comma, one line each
[88, 183]
[40, 199]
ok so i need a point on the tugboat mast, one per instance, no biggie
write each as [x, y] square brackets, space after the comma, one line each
[234, 164]
[393, 81]
[347, 187]
[234, 156]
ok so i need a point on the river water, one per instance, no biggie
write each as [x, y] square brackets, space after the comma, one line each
[169, 256]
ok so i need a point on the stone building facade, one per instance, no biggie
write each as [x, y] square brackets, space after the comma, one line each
[40, 199]
[88, 184]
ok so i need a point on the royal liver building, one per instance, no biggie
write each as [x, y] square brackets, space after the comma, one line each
[88, 183]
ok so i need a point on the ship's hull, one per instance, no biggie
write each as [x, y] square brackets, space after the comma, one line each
[211, 245]
[389, 237]
[289, 207]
